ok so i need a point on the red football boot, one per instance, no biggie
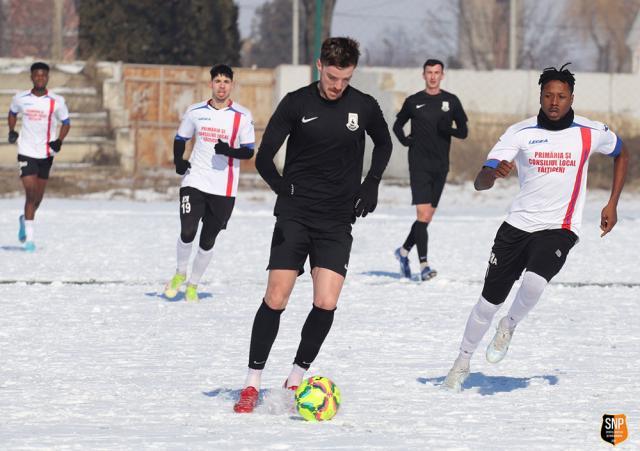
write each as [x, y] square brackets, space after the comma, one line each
[247, 401]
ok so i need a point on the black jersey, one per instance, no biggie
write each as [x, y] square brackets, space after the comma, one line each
[431, 131]
[325, 151]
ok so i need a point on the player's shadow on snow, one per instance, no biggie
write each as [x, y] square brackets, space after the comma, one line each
[178, 298]
[12, 248]
[224, 393]
[389, 274]
[490, 385]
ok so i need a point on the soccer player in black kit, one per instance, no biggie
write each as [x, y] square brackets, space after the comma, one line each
[320, 194]
[432, 112]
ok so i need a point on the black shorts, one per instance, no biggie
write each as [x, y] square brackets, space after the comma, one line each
[515, 250]
[35, 166]
[213, 210]
[328, 246]
[427, 187]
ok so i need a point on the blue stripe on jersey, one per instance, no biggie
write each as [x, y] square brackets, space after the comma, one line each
[27, 94]
[248, 145]
[575, 124]
[527, 128]
[493, 163]
[206, 107]
[617, 149]
[66, 122]
[181, 138]
[233, 109]
[12, 113]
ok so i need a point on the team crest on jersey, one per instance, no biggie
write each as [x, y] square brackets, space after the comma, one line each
[445, 106]
[352, 122]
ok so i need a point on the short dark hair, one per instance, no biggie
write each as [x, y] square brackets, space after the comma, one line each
[562, 74]
[221, 69]
[432, 62]
[340, 52]
[40, 66]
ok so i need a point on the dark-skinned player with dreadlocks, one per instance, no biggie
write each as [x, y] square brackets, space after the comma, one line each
[551, 153]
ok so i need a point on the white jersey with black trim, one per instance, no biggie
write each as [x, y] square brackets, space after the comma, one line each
[40, 117]
[211, 173]
[552, 170]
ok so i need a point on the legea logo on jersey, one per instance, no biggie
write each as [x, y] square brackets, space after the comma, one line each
[538, 141]
[614, 428]
[445, 106]
[352, 122]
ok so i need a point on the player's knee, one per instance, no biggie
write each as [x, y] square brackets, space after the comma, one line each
[495, 295]
[207, 245]
[277, 296]
[325, 302]
[533, 285]
[188, 234]
[484, 310]
[276, 300]
[207, 240]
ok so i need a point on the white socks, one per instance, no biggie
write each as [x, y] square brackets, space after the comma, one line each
[404, 252]
[527, 297]
[482, 314]
[28, 227]
[253, 379]
[477, 325]
[200, 264]
[295, 376]
[184, 252]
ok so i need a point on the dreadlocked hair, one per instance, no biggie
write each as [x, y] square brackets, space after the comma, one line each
[562, 74]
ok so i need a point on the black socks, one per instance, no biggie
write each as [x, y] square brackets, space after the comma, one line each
[315, 330]
[263, 334]
[420, 237]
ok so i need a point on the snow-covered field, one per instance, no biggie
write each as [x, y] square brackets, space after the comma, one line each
[93, 357]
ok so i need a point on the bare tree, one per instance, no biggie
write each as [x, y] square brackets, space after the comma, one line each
[395, 47]
[270, 41]
[309, 7]
[606, 23]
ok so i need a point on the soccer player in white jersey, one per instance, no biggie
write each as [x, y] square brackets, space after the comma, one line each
[224, 135]
[551, 154]
[41, 111]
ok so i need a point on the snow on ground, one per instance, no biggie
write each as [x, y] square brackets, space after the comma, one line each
[93, 357]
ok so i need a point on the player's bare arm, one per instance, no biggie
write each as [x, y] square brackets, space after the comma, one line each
[609, 215]
[487, 176]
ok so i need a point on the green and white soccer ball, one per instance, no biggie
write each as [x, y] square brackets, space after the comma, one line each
[318, 399]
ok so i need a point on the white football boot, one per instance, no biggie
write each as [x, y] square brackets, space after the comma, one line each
[499, 346]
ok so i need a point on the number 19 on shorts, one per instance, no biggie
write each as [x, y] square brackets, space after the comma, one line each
[185, 205]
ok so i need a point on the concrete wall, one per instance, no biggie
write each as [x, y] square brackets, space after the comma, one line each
[495, 99]
[143, 104]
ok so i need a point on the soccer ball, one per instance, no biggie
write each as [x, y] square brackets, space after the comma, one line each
[318, 399]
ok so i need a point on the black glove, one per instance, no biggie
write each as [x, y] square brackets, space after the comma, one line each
[55, 145]
[182, 166]
[407, 141]
[222, 148]
[367, 196]
[287, 189]
[13, 136]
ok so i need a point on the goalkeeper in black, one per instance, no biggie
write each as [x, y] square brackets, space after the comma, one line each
[432, 112]
[320, 194]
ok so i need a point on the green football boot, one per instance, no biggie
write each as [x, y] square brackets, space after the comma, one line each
[191, 294]
[172, 288]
